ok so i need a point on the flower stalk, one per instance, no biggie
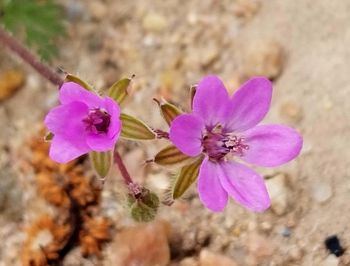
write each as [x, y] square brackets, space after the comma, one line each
[124, 172]
[44, 70]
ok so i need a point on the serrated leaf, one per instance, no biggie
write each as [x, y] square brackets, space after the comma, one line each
[119, 90]
[49, 136]
[140, 212]
[144, 208]
[135, 129]
[169, 111]
[170, 155]
[187, 176]
[79, 81]
[101, 162]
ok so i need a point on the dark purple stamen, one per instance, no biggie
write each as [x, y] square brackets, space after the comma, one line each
[218, 144]
[97, 121]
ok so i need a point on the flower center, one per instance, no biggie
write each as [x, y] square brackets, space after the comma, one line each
[97, 121]
[217, 144]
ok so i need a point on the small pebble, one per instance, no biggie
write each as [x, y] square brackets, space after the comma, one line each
[331, 260]
[278, 192]
[208, 258]
[154, 22]
[321, 192]
[263, 58]
[98, 10]
[286, 232]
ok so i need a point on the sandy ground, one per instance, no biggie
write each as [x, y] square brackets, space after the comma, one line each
[169, 46]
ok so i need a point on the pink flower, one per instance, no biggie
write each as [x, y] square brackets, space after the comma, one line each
[83, 122]
[224, 127]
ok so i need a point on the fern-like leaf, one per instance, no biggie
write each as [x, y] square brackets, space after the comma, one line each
[39, 21]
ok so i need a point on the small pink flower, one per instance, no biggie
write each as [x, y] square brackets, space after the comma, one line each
[83, 122]
[224, 127]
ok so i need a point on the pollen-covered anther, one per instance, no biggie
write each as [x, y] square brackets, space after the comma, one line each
[236, 145]
[97, 121]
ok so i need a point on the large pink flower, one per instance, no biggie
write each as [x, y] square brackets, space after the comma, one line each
[83, 122]
[224, 127]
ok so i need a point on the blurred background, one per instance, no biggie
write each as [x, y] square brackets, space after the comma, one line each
[301, 45]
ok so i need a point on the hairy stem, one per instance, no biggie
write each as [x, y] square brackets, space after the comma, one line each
[16, 47]
[125, 174]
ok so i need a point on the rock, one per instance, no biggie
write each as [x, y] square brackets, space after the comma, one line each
[246, 8]
[143, 244]
[74, 10]
[98, 10]
[154, 22]
[266, 226]
[285, 231]
[208, 258]
[331, 260]
[321, 192]
[292, 112]
[10, 82]
[190, 261]
[279, 193]
[259, 246]
[192, 19]
[263, 58]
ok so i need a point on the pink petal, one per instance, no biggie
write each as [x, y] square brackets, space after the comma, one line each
[63, 151]
[70, 92]
[210, 190]
[186, 134]
[114, 111]
[101, 142]
[249, 104]
[271, 145]
[245, 186]
[67, 119]
[210, 101]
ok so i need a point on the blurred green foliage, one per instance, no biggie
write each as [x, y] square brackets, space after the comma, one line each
[38, 21]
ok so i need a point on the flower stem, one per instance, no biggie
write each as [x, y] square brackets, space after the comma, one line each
[125, 174]
[16, 47]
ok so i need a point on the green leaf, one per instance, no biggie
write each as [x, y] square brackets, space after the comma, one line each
[169, 111]
[40, 21]
[145, 207]
[49, 136]
[101, 162]
[79, 81]
[187, 176]
[135, 129]
[170, 155]
[119, 90]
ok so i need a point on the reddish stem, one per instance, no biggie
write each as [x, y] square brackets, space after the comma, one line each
[16, 47]
[125, 174]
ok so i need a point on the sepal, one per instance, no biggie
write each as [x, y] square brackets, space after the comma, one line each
[119, 90]
[101, 162]
[79, 81]
[135, 129]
